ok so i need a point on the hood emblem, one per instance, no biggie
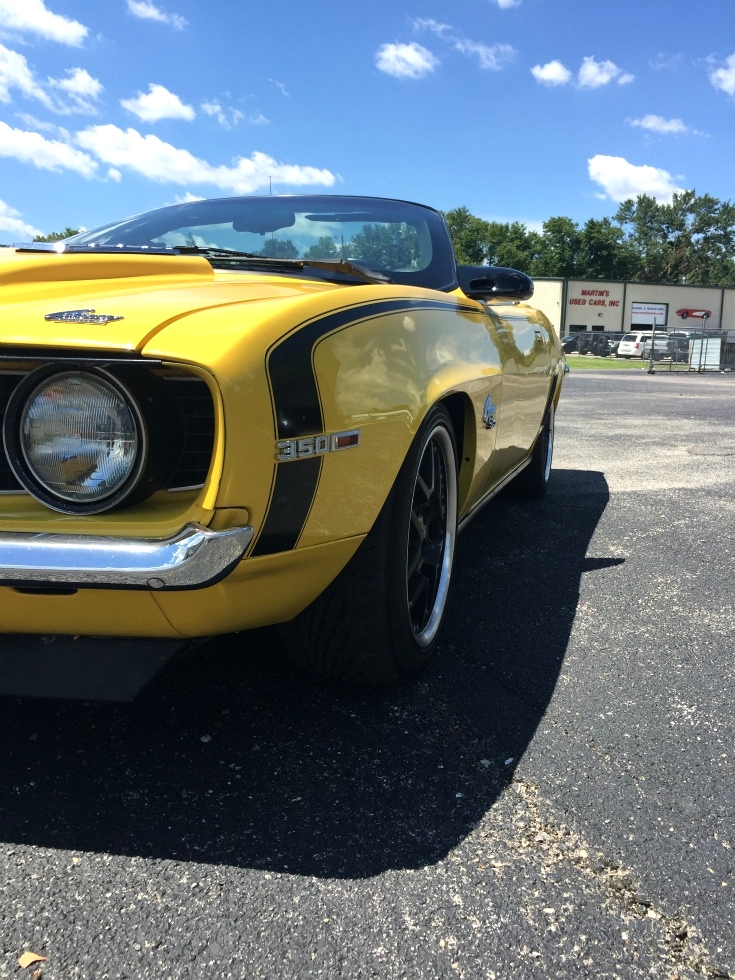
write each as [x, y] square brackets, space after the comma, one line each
[81, 316]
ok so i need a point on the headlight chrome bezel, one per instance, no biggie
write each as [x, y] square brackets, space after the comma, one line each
[23, 469]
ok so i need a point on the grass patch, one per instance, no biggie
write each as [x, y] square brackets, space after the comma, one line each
[578, 362]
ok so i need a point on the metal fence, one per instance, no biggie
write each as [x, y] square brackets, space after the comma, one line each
[711, 352]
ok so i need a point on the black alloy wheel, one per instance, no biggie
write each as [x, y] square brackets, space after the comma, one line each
[430, 544]
[379, 621]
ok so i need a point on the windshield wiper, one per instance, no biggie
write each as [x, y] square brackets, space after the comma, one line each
[214, 251]
[341, 266]
[346, 268]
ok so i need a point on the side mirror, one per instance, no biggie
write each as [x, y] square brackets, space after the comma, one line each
[489, 282]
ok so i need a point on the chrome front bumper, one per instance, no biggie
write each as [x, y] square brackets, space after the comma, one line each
[191, 559]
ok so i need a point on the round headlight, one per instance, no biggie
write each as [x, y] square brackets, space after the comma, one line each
[79, 441]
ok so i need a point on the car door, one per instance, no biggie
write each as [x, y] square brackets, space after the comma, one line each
[525, 355]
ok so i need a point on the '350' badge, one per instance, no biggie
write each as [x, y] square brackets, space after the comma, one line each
[289, 449]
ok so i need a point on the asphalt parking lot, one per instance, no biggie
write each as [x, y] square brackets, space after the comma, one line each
[554, 799]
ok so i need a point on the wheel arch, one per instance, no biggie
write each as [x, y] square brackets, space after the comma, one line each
[461, 412]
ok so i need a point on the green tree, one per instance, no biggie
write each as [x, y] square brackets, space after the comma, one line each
[325, 248]
[277, 248]
[691, 239]
[469, 235]
[386, 246]
[57, 236]
[480, 242]
[559, 249]
[512, 245]
[605, 252]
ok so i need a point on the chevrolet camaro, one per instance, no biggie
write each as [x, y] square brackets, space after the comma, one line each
[232, 413]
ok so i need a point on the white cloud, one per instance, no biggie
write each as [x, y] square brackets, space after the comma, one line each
[724, 78]
[281, 87]
[405, 60]
[79, 88]
[490, 56]
[15, 74]
[621, 180]
[157, 104]
[114, 174]
[187, 198]
[258, 119]
[33, 16]
[46, 154]
[552, 73]
[444, 31]
[666, 62]
[45, 127]
[594, 74]
[160, 161]
[507, 4]
[149, 11]
[657, 124]
[10, 220]
[226, 118]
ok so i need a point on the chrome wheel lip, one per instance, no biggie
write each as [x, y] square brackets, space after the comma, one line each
[439, 434]
[549, 445]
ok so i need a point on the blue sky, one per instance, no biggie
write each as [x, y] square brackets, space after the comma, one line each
[519, 109]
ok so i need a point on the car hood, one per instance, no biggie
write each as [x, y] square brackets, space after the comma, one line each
[147, 293]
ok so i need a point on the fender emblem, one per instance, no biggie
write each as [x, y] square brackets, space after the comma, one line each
[289, 449]
[81, 316]
[490, 413]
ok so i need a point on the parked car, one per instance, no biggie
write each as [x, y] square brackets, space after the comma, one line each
[666, 347]
[231, 413]
[677, 345]
[685, 313]
[587, 343]
[633, 343]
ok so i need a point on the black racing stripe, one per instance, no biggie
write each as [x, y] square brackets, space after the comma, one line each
[295, 392]
[298, 413]
[290, 504]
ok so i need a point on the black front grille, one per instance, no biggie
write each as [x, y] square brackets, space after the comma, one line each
[195, 402]
[196, 406]
[8, 383]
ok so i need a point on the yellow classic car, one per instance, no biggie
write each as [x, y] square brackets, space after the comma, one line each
[234, 413]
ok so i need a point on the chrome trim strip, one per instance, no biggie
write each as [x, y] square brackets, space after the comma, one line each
[193, 558]
[490, 494]
[113, 359]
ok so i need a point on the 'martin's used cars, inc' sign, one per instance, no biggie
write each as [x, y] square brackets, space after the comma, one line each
[594, 297]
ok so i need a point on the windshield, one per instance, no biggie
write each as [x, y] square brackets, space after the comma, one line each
[407, 242]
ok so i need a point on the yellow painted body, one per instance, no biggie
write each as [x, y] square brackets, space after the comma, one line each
[377, 370]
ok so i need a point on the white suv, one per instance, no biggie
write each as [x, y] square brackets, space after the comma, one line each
[634, 344]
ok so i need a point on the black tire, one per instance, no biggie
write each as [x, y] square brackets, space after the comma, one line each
[532, 481]
[378, 623]
[684, 315]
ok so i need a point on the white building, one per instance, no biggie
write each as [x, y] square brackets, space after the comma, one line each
[575, 305]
